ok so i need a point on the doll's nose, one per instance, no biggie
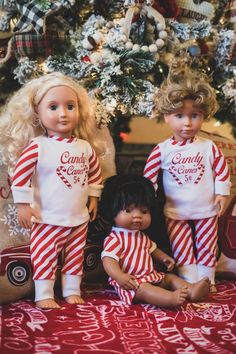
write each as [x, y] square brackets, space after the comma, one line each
[187, 121]
[137, 214]
[62, 111]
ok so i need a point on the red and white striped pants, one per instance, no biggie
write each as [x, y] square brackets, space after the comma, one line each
[196, 244]
[47, 242]
[127, 296]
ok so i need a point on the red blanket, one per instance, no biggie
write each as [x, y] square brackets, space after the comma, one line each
[103, 325]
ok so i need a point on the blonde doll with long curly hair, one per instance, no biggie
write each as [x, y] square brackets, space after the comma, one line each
[195, 173]
[48, 139]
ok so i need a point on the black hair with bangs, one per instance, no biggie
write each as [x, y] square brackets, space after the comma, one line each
[122, 191]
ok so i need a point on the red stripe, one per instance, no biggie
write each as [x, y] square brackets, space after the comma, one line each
[21, 172]
[29, 148]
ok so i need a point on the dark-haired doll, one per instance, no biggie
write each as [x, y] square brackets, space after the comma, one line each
[128, 253]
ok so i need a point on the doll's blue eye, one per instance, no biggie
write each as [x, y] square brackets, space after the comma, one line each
[70, 107]
[53, 107]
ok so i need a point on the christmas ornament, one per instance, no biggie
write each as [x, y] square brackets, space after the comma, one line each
[29, 37]
[231, 11]
[92, 41]
[142, 28]
[191, 10]
[194, 50]
[33, 45]
[31, 15]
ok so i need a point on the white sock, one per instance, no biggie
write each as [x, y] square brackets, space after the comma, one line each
[70, 284]
[44, 289]
[188, 272]
[204, 271]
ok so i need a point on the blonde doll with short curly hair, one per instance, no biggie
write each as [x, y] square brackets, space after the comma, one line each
[47, 131]
[195, 174]
[183, 83]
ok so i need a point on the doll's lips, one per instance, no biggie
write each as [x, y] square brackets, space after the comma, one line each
[136, 224]
[187, 132]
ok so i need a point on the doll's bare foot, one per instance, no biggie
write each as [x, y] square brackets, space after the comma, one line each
[179, 296]
[48, 304]
[199, 290]
[213, 288]
[74, 299]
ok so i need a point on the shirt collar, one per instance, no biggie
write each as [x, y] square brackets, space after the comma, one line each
[183, 142]
[65, 140]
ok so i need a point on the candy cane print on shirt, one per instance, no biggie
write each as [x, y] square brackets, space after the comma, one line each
[61, 172]
[85, 174]
[201, 168]
[176, 178]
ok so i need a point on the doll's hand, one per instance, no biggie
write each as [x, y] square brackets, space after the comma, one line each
[25, 213]
[93, 207]
[168, 262]
[220, 201]
[127, 282]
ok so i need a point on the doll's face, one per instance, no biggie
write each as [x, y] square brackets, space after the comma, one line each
[59, 111]
[133, 218]
[186, 121]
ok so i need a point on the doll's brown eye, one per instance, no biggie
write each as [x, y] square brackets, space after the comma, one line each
[70, 107]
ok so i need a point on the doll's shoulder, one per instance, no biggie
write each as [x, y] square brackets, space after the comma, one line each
[203, 140]
[84, 145]
[38, 139]
[204, 143]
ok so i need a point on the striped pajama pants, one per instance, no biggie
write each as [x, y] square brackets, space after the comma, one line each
[46, 243]
[196, 244]
[127, 296]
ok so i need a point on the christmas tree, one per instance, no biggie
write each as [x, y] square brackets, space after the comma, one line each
[119, 50]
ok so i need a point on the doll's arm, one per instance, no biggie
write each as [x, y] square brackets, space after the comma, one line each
[163, 258]
[153, 165]
[95, 185]
[222, 177]
[21, 184]
[92, 207]
[25, 213]
[112, 268]
[220, 201]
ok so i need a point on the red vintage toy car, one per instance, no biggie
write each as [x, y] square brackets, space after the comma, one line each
[15, 262]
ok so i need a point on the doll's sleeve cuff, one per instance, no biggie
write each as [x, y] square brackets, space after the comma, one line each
[95, 190]
[22, 194]
[222, 188]
[109, 254]
[153, 247]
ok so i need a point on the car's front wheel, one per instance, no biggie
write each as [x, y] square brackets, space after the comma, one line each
[18, 273]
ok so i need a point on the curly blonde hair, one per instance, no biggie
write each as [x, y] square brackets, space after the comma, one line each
[183, 83]
[19, 122]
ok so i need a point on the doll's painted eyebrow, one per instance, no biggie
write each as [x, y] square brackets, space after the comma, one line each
[56, 102]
